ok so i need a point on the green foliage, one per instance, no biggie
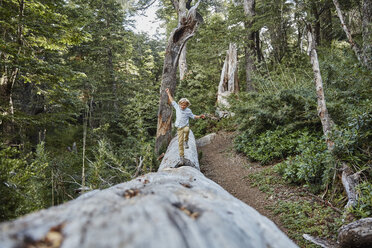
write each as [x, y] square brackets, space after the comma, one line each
[271, 145]
[266, 180]
[314, 165]
[272, 125]
[257, 113]
[107, 168]
[303, 216]
[20, 181]
[10, 173]
[352, 142]
[363, 209]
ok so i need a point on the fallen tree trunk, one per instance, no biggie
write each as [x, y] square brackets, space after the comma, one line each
[175, 207]
[356, 234]
[172, 158]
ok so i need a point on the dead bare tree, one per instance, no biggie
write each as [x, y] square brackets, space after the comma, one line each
[181, 7]
[364, 60]
[228, 81]
[325, 118]
[178, 38]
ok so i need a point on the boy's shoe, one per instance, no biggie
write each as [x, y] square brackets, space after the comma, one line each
[186, 145]
[182, 160]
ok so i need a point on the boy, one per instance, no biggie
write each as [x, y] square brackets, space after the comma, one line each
[183, 113]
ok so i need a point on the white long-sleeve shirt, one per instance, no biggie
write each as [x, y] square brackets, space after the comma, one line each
[182, 116]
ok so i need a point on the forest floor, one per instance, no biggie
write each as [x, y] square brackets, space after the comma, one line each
[258, 186]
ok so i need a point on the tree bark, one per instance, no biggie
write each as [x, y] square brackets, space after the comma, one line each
[181, 7]
[171, 158]
[183, 63]
[325, 118]
[182, 11]
[176, 41]
[356, 234]
[354, 45]
[249, 11]
[367, 33]
[174, 207]
[350, 181]
[228, 82]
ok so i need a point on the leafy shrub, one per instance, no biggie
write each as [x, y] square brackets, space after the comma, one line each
[313, 166]
[363, 209]
[20, 181]
[270, 125]
[270, 145]
[353, 141]
[257, 113]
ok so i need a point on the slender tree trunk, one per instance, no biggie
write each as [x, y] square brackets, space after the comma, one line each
[112, 80]
[176, 42]
[183, 64]
[85, 124]
[327, 27]
[326, 120]
[316, 27]
[249, 11]
[367, 33]
[354, 45]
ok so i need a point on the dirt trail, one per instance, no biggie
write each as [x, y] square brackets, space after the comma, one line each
[224, 166]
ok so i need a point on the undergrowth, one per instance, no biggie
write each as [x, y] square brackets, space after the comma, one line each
[298, 213]
[279, 123]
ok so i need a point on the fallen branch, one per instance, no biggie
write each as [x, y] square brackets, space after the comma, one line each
[350, 182]
[319, 241]
[325, 202]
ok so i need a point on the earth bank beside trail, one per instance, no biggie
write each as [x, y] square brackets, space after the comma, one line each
[223, 165]
[261, 188]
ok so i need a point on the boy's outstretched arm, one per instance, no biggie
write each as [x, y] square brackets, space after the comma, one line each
[169, 95]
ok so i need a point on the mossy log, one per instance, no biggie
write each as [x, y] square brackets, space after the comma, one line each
[174, 207]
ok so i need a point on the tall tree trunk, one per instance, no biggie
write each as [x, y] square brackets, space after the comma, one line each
[228, 82]
[354, 45]
[327, 27]
[367, 33]
[112, 80]
[176, 41]
[258, 47]
[326, 120]
[249, 11]
[316, 27]
[85, 127]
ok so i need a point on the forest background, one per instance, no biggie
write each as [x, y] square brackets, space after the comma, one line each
[79, 94]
